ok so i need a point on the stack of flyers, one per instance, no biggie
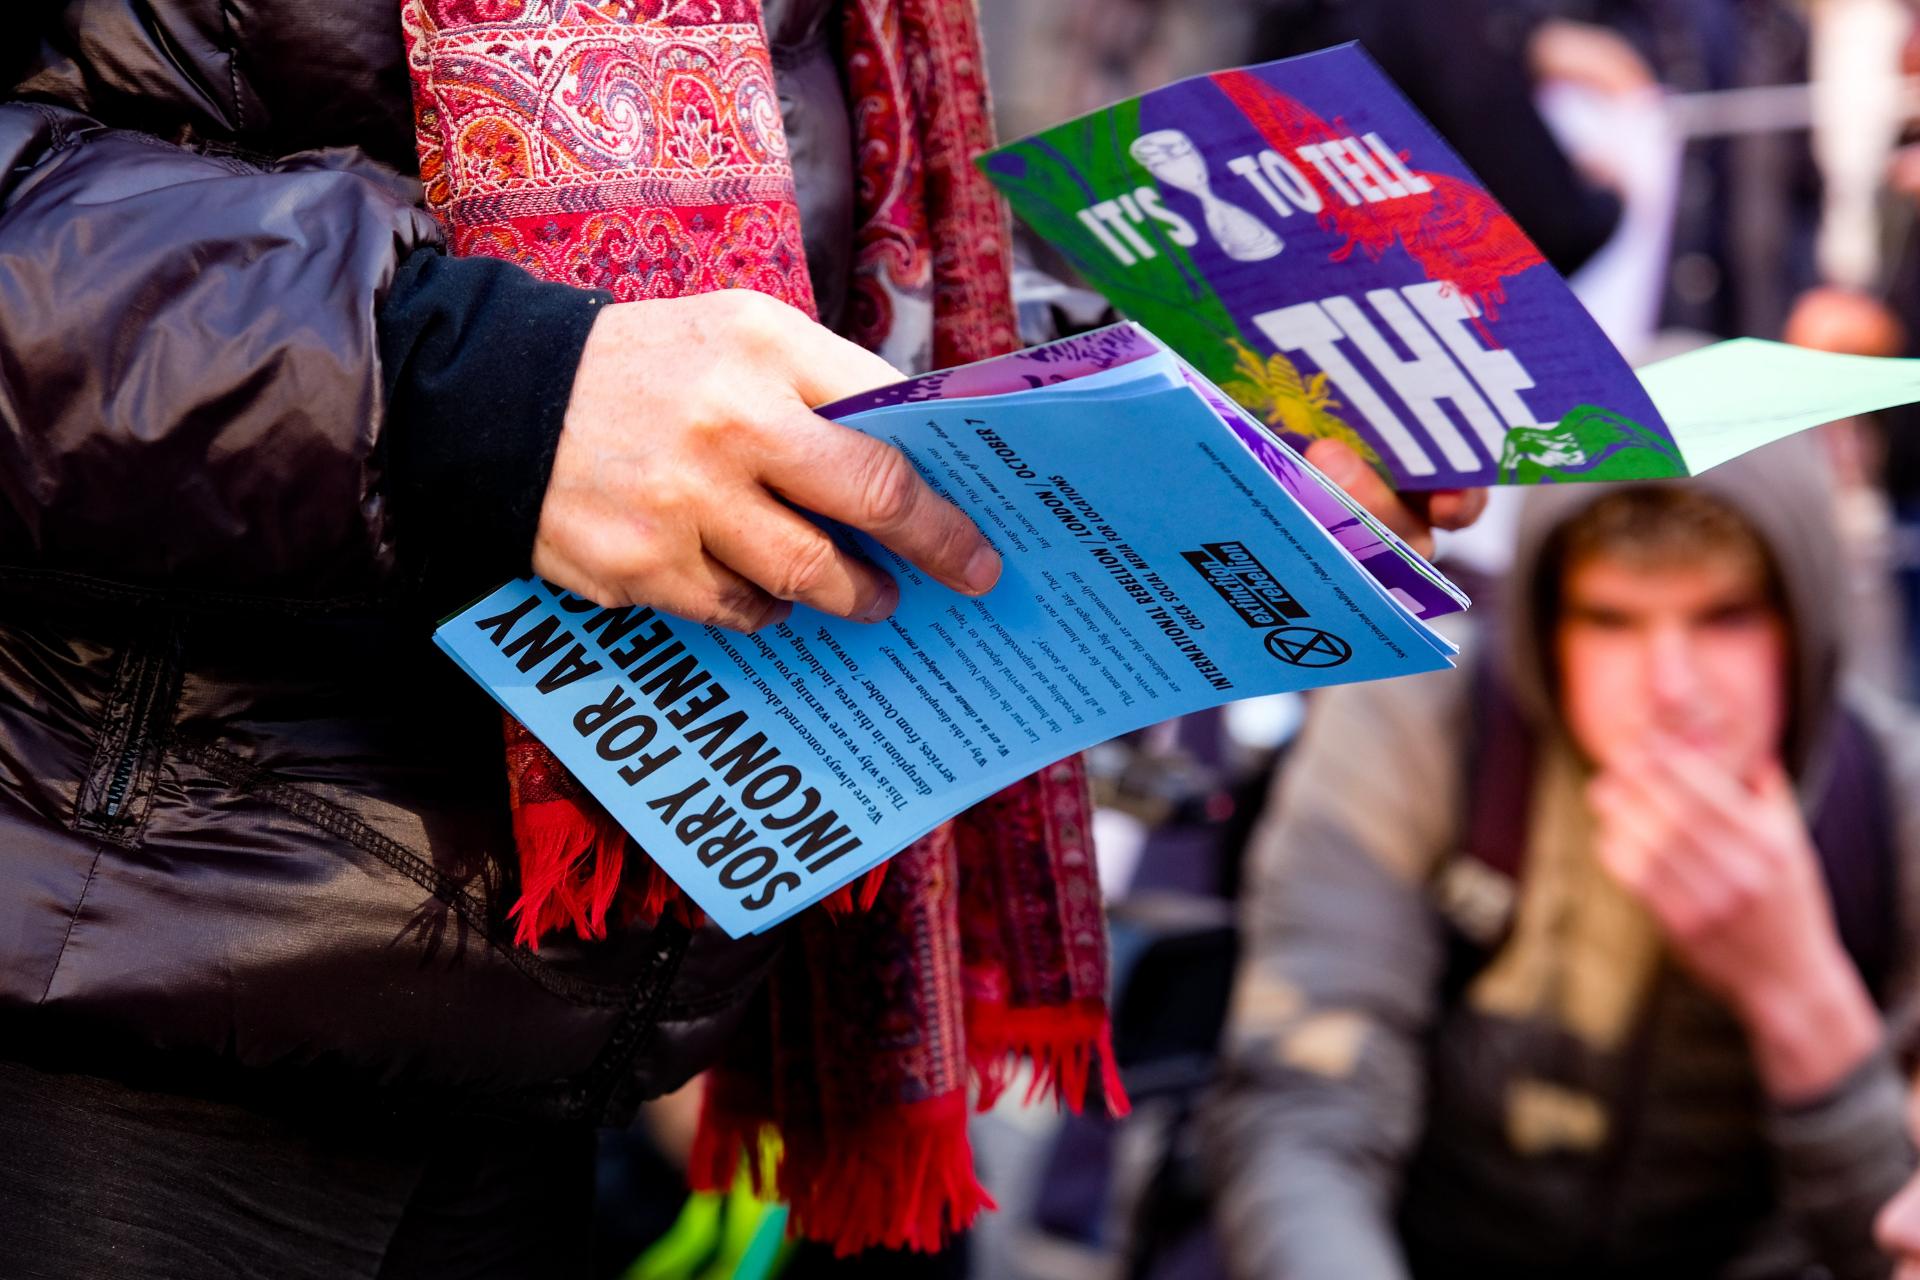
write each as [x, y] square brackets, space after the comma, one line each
[1163, 553]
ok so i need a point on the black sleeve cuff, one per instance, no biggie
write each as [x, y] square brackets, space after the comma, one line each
[477, 358]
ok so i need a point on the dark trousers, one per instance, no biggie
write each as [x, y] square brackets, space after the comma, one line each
[100, 1181]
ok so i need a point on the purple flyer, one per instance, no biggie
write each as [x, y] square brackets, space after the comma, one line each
[1306, 241]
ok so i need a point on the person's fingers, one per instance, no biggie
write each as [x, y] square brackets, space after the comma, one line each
[1772, 786]
[821, 365]
[712, 594]
[1455, 508]
[791, 558]
[1711, 852]
[602, 566]
[674, 404]
[1347, 469]
[1706, 848]
[1616, 808]
[1624, 858]
[1651, 861]
[868, 484]
[1687, 893]
[1621, 808]
[1645, 789]
[1702, 783]
[1618, 857]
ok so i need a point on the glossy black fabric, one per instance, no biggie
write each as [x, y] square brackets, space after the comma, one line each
[275, 77]
[253, 834]
[188, 396]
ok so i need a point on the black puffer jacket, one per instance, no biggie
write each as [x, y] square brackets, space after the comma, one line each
[254, 432]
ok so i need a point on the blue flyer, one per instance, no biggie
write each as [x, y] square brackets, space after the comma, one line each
[1153, 567]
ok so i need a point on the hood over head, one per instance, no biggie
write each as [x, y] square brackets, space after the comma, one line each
[1785, 493]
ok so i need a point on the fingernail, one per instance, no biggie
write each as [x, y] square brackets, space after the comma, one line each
[982, 571]
[882, 605]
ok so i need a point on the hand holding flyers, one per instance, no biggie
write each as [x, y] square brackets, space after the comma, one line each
[764, 771]
[671, 491]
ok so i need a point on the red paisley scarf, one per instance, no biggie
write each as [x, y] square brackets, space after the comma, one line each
[636, 146]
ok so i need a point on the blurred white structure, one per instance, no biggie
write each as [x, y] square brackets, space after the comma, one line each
[1859, 105]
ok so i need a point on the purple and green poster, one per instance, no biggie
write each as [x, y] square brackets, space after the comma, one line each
[1307, 241]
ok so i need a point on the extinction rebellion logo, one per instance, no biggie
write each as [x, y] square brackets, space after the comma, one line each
[1262, 601]
[1308, 647]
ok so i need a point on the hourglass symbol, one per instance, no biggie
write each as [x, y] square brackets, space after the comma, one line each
[1170, 156]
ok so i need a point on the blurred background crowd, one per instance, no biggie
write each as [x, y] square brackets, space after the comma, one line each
[1393, 993]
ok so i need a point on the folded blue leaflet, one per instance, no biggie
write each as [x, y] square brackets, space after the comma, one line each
[1153, 567]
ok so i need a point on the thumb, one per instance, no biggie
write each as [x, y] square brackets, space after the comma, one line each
[1363, 484]
[1338, 462]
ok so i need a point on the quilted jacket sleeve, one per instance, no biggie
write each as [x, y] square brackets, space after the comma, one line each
[260, 380]
[188, 387]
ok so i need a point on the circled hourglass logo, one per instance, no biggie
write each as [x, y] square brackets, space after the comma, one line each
[1170, 156]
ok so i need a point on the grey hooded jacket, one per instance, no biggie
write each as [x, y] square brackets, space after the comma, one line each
[1577, 1106]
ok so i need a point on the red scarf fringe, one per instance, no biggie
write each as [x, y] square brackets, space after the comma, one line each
[900, 1179]
[1064, 1044]
[903, 1178]
[572, 863]
[571, 858]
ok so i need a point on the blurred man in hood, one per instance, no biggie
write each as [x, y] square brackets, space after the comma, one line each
[1581, 961]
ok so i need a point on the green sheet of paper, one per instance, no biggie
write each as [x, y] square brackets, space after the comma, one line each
[1730, 398]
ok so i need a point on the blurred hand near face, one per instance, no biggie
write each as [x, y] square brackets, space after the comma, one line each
[1587, 54]
[689, 432]
[1673, 685]
[1724, 864]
